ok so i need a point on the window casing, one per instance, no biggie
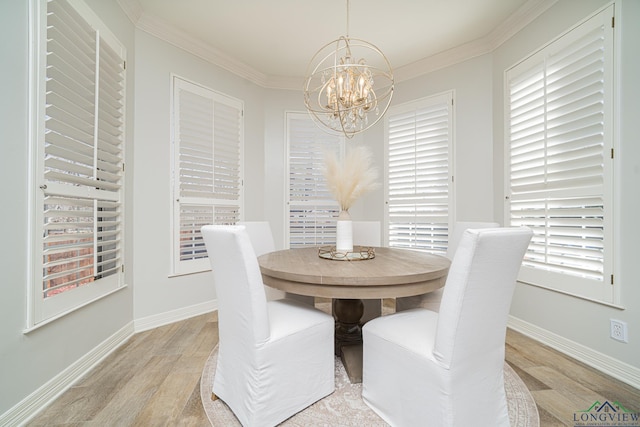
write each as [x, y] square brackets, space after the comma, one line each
[78, 159]
[312, 210]
[559, 132]
[418, 180]
[207, 184]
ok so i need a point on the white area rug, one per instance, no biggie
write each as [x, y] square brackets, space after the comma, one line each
[344, 407]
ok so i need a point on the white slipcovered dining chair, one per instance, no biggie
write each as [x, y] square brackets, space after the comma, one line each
[262, 241]
[275, 358]
[432, 299]
[446, 369]
[459, 228]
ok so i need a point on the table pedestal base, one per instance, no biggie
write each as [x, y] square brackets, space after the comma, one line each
[348, 313]
[348, 333]
[352, 362]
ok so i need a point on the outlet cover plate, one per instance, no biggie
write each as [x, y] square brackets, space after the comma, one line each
[619, 330]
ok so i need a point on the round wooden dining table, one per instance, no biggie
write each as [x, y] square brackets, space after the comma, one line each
[391, 273]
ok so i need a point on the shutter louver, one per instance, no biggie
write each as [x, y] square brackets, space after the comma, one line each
[418, 177]
[557, 156]
[83, 153]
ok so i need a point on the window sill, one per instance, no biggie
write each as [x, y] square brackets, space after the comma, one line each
[45, 322]
[574, 295]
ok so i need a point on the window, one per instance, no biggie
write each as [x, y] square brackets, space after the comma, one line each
[78, 159]
[208, 131]
[559, 130]
[418, 181]
[312, 209]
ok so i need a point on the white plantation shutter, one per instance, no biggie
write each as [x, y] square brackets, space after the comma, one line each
[559, 130]
[82, 165]
[419, 146]
[207, 144]
[312, 209]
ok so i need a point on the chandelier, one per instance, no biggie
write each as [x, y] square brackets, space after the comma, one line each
[345, 93]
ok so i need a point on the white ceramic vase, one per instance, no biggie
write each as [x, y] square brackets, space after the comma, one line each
[344, 233]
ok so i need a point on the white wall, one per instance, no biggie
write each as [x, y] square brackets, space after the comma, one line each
[27, 361]
[579, 324]
[155, 292]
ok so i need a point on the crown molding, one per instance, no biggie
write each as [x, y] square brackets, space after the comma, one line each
[132, 9]
[284, 82]
[197, 47]
[158, 28]
[511, 26]
[442, 59]
[518, 20]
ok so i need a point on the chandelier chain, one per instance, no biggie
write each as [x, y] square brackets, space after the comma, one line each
[347, 18]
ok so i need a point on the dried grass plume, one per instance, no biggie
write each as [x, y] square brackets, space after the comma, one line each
[352, 177]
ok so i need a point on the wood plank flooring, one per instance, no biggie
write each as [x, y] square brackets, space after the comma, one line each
[561, 385]
[154, 380]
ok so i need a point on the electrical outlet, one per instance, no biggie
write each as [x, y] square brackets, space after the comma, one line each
[619, 330]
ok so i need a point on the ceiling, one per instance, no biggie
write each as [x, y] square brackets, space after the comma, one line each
[269, 40]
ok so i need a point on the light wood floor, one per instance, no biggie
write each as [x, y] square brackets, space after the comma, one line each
[154, 380]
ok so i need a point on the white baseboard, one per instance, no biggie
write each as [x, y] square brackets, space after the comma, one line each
[150, 322]
[26, 409]
[606, 364]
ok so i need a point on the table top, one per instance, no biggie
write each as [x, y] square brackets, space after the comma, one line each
[394, 272]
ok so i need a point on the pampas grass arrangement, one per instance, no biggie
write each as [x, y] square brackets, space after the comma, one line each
[352, 177]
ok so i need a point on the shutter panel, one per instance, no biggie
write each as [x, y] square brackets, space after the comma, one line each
[312, 209]
[83, 153]
[557, 136]
[418, 175]
[208, 173]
